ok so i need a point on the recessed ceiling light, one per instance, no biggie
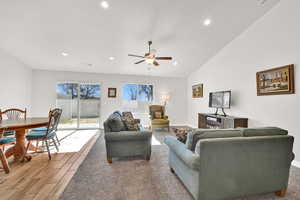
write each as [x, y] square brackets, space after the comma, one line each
[175, 63]
[111, 58]
[64, 54]
[207, 22]
[104, 4]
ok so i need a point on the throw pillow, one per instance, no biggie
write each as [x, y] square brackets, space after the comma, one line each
[116, 124]
[181, 134]
[158, 115]
[130, 124]
[127, 115]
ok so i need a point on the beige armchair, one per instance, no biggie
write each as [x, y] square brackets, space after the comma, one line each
[158, 117]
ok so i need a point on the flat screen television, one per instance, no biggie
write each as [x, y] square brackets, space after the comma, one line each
[220, 99]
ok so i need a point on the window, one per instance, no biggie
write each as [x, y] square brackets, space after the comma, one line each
[80, 103]
[137, 97]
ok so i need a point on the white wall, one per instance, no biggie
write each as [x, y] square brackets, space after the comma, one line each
[44, 91]
[272, 41]
[15, 83]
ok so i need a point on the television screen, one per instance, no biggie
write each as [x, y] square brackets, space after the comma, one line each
[220, 99]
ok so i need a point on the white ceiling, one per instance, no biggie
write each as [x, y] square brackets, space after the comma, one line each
[38, 31]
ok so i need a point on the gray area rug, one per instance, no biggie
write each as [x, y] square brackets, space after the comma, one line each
[137, 179]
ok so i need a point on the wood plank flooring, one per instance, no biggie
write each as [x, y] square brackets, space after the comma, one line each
[41, 179]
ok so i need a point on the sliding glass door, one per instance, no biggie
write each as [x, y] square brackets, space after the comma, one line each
[89, 106]
[80, 103]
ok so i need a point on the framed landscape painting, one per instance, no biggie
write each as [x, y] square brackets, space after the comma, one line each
[276, 81]
[197, 91]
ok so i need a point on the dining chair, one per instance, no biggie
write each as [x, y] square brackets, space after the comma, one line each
[45, 129]
[5, 141]
[49, 134]
[12, 114]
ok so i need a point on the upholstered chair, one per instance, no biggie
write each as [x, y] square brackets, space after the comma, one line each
[158, 117]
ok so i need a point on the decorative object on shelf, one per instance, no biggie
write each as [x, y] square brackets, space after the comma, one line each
[197, 90]
[112, 92]
[276, 81]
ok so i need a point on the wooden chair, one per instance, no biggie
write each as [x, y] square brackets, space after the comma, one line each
[45, 129]
[12, 114]
[49, 134]
[5, 141]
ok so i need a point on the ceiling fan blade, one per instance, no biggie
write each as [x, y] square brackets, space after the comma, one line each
[135, 56]
[139, 62]
[163, 58]
[155, 63]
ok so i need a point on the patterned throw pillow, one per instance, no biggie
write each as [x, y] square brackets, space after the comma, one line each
[129, 122]
[158, 115]
[181, 134]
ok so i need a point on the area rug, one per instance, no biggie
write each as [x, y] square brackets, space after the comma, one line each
[137, 179]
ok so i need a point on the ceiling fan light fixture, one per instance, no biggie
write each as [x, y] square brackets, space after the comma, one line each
[153, 51]
[149, 61]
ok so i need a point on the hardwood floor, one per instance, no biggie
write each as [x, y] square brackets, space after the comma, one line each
[42, 179]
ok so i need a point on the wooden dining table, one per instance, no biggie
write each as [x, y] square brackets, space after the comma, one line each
[20, 126]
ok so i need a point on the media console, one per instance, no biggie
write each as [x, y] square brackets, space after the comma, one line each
[220, 122]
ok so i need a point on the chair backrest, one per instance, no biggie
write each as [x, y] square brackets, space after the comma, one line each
[156, 108]
[54, 117]
[13, 114]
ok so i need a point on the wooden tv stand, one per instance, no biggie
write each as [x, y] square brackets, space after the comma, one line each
[213, 121]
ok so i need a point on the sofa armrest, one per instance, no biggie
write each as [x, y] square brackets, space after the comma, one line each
[188, 157]
[127, 135]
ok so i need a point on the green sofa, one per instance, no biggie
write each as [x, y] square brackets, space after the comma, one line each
[227, 163]
[121, 142]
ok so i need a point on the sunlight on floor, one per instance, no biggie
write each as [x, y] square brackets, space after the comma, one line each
[74, 140]
[155, 141]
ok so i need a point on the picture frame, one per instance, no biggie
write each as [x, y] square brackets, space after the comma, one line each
[197, 91]
[276, 81]
[112, 92]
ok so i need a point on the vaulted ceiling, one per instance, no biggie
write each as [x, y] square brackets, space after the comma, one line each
[37, 32]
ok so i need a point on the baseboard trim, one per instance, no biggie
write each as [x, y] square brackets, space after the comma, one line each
[296, 163]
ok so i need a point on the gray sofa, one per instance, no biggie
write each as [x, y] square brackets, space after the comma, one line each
[222, 164]
[120, 142]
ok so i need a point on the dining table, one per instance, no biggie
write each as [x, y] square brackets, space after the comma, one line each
[20, 126]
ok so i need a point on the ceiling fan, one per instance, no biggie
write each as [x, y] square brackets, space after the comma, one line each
[150, 57]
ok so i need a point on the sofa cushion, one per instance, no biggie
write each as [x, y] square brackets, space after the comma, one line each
[115, 123]
[128, 136]
[159, 121]
[7, 140]
[264, 131]
[197, 134]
